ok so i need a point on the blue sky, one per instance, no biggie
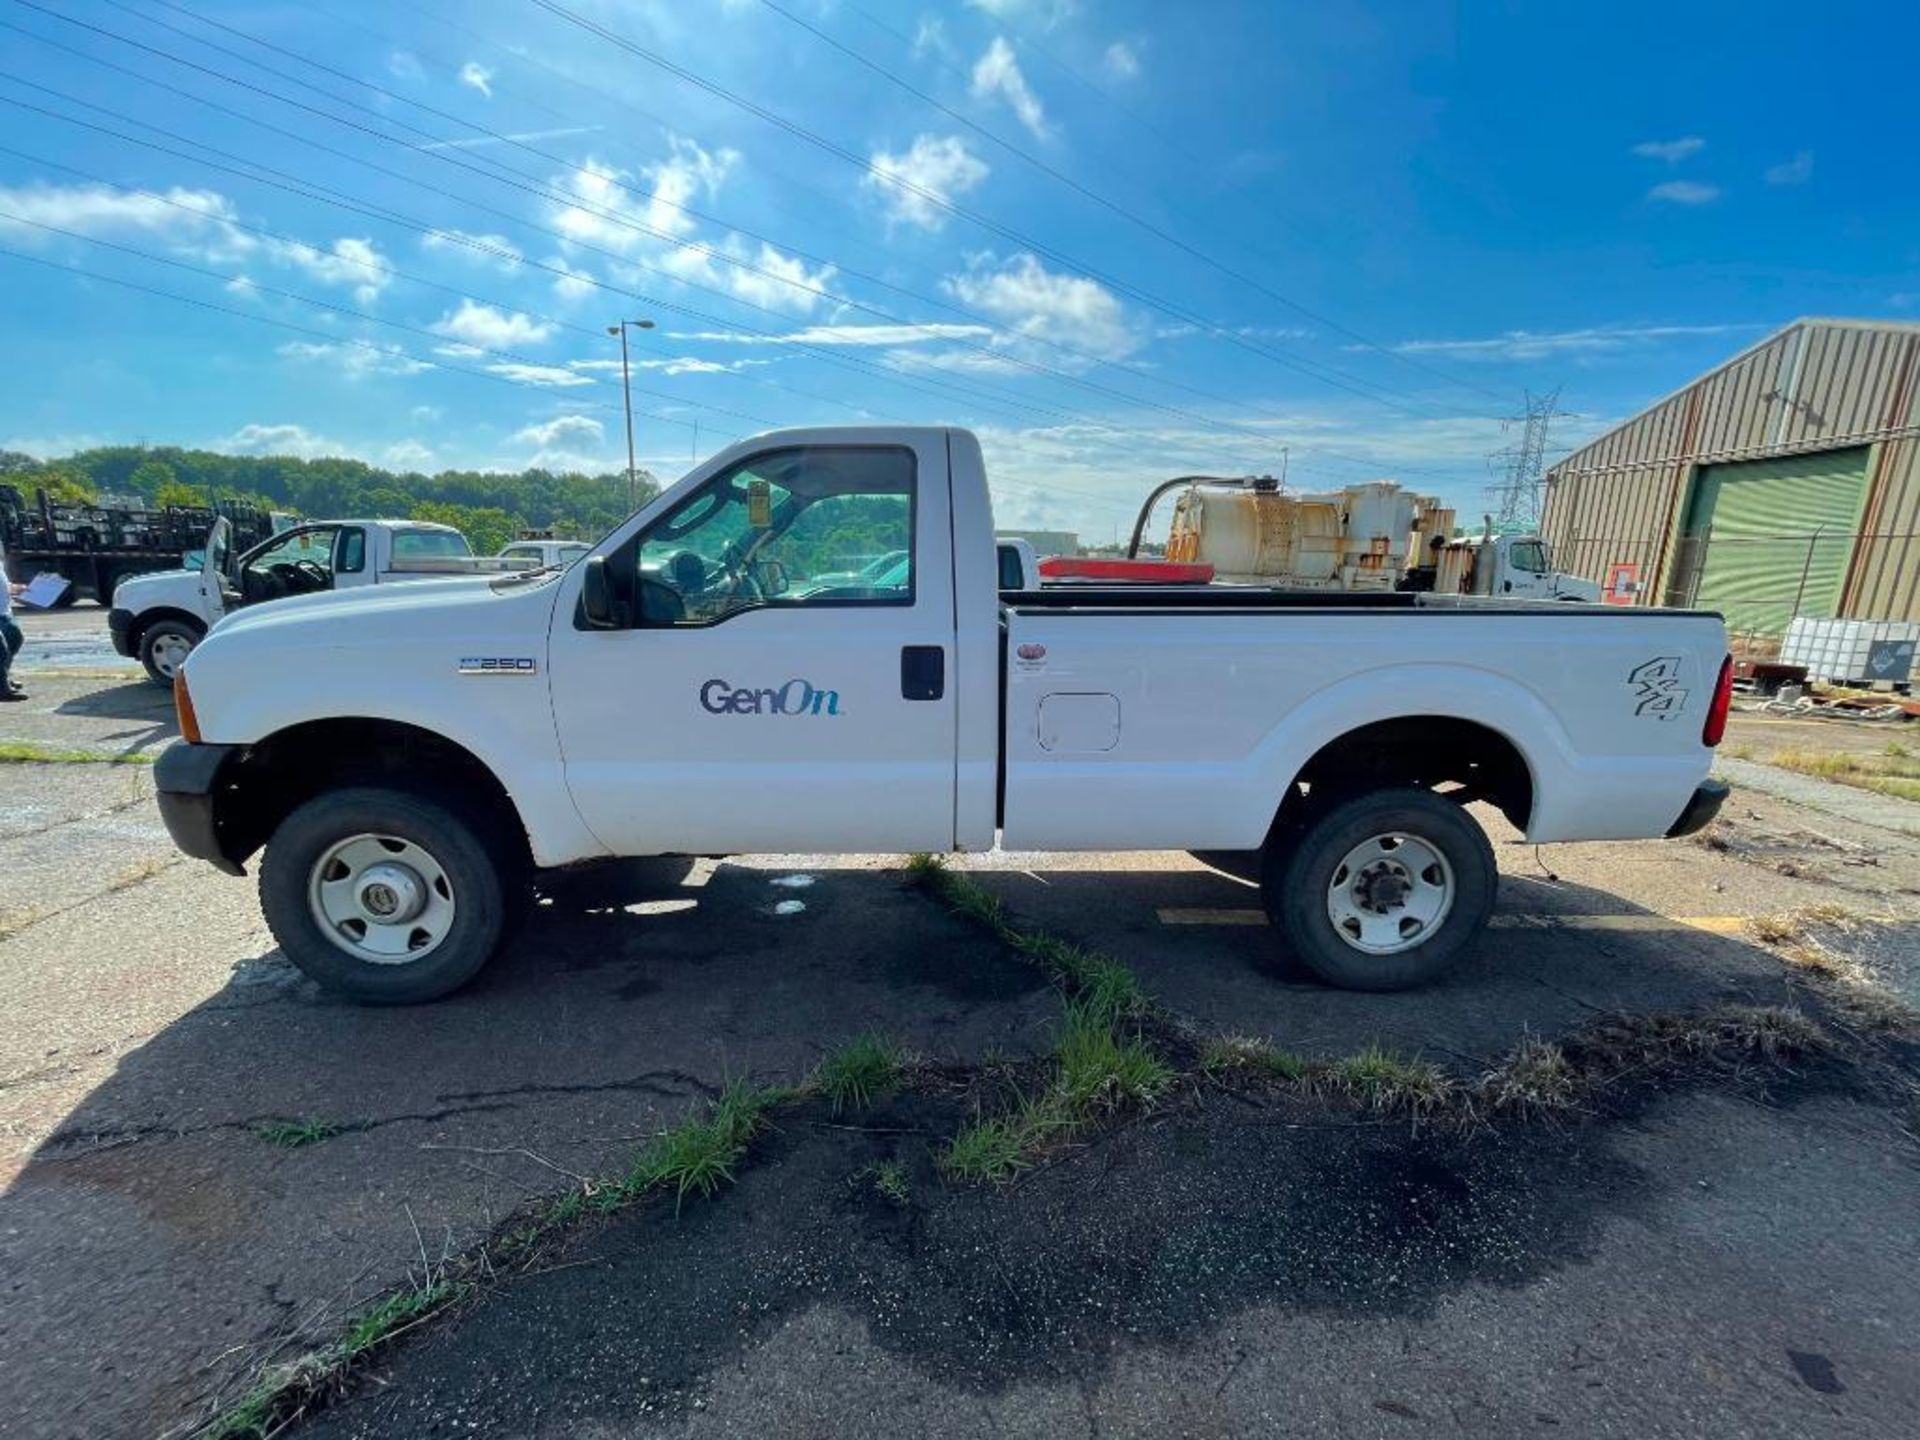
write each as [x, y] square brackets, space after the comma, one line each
[1121, 240]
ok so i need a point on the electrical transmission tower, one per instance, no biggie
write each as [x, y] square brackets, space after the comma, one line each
[1516, 494]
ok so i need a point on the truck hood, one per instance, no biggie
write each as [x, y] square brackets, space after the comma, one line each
[138, 592]
[363, 605]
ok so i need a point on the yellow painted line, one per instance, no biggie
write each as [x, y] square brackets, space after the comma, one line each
[1712, 924]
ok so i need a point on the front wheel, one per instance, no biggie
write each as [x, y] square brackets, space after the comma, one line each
[383, 896]
[164, 647]
[1383, 890]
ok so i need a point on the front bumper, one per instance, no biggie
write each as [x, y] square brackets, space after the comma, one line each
[120, 628]
[1707, 799]
[186, 777]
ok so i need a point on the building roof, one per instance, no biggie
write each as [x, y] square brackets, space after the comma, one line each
[1804, 323]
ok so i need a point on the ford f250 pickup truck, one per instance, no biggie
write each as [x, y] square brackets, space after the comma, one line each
[720, 675]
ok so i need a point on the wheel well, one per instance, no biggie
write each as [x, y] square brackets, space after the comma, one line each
[1424, 750]
[279, 774]
[152, 617]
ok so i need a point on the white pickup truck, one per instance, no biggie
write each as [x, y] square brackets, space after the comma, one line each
[411, 758]
[159, 618]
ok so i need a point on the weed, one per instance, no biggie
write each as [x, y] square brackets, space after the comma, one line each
[1384, 1081]
[1536, 1079]
[1897, 751]
[1101, 1070]
[1739, 752]
[28, 752]
[988, 1150]
[889, 1179]
[393, 1314]
[1226, 1053]
[859, 1072]
[292, 1134]
[1892, 773]
[923, 867]
[698, 1155]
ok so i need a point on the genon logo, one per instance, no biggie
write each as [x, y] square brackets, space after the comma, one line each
[796, 697]
[1031, 651]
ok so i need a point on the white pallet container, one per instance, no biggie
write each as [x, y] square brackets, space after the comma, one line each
[1857, 652]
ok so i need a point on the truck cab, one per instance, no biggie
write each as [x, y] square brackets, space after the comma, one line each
[1517, 567]
[159, 619]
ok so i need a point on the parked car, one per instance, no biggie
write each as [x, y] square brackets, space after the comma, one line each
[538, 554]
[159, 618]
[410, 758]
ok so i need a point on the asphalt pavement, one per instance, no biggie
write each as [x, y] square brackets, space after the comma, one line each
[1723, 1259]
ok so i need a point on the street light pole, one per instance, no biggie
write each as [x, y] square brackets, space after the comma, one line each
[626, 390]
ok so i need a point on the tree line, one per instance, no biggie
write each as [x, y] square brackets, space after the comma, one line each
[491, 507]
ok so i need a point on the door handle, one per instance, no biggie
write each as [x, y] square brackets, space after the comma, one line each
[923, 672]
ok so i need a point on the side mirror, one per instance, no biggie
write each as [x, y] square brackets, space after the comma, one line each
[596, 596]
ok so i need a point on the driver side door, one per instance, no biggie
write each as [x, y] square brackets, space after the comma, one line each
[298, 562]
[763, 694]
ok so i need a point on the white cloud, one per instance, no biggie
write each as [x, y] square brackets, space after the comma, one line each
[572, 283]
[425, 414]
[405, 65]
[936, 169]
[278, 440]
[1121, 61]
[563, 430]
[483, 248]
[1671, 151]
[476, 76]
[1542, 344]
[1034, 303]
[1043, 12]
[997, 75]
[489, 328]
[858, 335]
[1796, 171]
[197, 223]
[1684, 192]
[550, 376]
[407, 455]
[481, 142]
[930, 38]
[354, 362]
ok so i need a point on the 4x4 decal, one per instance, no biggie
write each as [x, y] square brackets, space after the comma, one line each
[1657, 688]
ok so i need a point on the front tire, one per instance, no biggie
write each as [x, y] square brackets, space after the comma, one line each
[164, 647]
[1382, 890]
[382, 896]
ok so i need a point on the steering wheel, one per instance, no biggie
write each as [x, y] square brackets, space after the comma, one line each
[313, 572]
[742, 584]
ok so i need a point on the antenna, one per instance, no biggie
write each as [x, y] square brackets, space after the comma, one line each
[1516, 494]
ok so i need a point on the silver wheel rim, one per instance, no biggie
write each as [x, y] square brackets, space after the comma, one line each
[170, 653]
[1390, 893]
[381, 899]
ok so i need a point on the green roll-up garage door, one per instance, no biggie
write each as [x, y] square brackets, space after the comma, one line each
[1770, 539]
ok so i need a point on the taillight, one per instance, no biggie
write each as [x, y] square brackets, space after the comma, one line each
[1716, 727]
[183, 708]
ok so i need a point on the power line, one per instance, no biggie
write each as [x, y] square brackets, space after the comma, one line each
[514, 178]
[974, 217]
[1113, 206]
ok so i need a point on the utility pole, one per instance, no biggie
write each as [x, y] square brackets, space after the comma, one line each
[1516, 494]
[626, 389]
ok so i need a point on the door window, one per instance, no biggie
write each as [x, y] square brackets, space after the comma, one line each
[1530, 556]
[819, 525]
[351, 553]
[298, 563]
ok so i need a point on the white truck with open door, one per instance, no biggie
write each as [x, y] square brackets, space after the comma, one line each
[159, 618]
[720, 676]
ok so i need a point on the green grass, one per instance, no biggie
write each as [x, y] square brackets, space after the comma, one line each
[1536, 1079]
[28, 752]
[1224, 1054]
[1384, 1081]
[859, 1072]
[991, 1149]
[698, 1155]
[1894, 772]
[1099, 1069]
[292, 1134]
[392, 1314]
[889, 1179]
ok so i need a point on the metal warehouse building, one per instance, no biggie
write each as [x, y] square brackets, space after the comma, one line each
[1786, 482]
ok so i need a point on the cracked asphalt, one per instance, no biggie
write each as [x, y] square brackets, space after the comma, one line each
[154, 1249]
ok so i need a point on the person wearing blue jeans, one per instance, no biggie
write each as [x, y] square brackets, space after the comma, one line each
[10, 639]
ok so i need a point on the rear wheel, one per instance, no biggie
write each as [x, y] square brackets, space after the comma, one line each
[383, 896]
[1381, 891]
[164, 647]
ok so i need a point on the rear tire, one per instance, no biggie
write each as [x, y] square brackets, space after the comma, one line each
[1381, 891]
[383, 896]
[164, 647]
